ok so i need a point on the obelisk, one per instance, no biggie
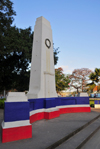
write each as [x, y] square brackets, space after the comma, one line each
[42, 75]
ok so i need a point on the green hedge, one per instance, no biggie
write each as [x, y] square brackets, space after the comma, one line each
[91, 103]
[2, 103]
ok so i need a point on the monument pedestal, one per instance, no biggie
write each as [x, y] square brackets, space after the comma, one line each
[16, 133]
[16, 124]
[51, 113]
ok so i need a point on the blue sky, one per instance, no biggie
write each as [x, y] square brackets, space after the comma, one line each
[75, 25]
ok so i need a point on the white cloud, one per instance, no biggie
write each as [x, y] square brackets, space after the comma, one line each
[92, 69]
[66, 69]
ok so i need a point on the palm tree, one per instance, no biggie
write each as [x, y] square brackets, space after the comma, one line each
[95, 78]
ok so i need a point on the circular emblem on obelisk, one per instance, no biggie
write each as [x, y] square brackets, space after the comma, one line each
[48, 43]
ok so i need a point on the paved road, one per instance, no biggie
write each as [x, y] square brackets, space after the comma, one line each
[47, 132]
[95, 110]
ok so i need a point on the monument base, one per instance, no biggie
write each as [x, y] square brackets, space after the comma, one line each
[51, 115]
[16, 97]
[36, 117]
[19, 115]
[16, 124]
[75, 110]
[49, 108]
[44, 114]
[16, 133]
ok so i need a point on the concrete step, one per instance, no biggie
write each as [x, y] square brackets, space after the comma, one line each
[93, 142]
[79, 137]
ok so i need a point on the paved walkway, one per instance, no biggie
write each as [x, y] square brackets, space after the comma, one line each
[94, 142]
[47, 132]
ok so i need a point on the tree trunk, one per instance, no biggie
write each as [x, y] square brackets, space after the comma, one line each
[4, 94]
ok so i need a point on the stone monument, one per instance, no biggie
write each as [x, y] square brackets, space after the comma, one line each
[19, 111]
[42, 76]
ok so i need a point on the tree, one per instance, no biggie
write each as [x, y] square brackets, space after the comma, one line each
[94, 77]
[17, 55]
[98, 87]
[21, 81]
[79, 78]
[56, 51]
[90, 87]
[15, 50]
[6, 19]
[62, 81]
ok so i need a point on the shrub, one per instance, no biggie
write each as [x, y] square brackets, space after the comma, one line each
[2, 103]
[91, 103]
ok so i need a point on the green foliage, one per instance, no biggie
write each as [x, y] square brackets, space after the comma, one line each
[14, 61]
[6, 19]
[6, 12]
[94, 77]
[2, 103]
[56, 51]
[15, 51]
[91, 103]
[62, 81]
[21, 81]
[91, 86]
[98, 87]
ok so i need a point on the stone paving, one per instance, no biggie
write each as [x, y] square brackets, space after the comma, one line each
[94, 142]
[47, 132]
